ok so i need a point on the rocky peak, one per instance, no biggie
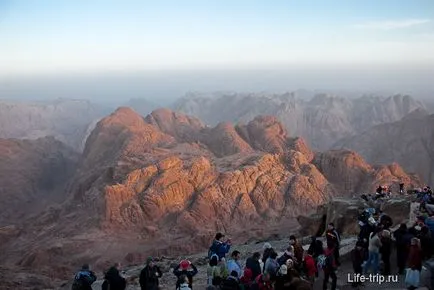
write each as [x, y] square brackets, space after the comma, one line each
[175, 124]
[265, 133]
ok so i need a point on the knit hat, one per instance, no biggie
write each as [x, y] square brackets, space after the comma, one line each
[184, 264]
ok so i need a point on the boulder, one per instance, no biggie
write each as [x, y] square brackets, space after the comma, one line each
[397, 209]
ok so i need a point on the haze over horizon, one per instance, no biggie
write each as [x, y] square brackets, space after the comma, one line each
[113, 49]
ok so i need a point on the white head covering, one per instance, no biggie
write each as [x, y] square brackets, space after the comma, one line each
[267, 246]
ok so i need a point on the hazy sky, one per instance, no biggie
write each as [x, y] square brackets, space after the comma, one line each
[40, 37]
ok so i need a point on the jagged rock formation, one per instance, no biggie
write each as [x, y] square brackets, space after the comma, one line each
[66, 120]
[409, 142]
[32, 173]
[165, 183]
[322, 121]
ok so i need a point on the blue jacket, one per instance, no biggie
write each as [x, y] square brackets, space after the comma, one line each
[219, 248]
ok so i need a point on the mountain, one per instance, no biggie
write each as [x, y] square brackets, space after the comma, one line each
[321, 120]
[164, 184]
[408, 142]
[32, 176]
[65, 119]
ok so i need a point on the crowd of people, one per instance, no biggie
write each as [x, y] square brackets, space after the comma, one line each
[295, 268]
[414, 243]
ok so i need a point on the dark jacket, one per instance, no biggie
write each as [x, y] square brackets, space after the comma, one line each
[83, 280]
[333, 238]
[114, 279]
[282, 259]
[426, 243]
[357, 257]
[189, 273]
[281, 281]
[231, 283]
[255, 266]
[149, 278]
[386, 248]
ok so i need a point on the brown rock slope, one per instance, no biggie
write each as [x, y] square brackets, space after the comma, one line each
[32, 174]
[148, 186]
[410, 142]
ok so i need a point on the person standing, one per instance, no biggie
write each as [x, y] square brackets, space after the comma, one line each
[113, 279]
[219, 247]
[253, 264]
[334, 239]
[84, 279]
[187, 269]
[374, 253]
[403, 239]
[234, 264]
[330, 267]
[150, 275]
[386, 250]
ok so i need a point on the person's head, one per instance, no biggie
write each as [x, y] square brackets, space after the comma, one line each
[236, 255]
[289, 263]
[117, 266]
[283, 270]
[292, 239]
[184, 264]
[219, 236]
[415, 242]
[403, 227]
[214, 260]
[234, 274]
[331, 226]
[256, 256]
[273, 255]
[150, 261]
[310, 252]
[267, 246]
[85, 267]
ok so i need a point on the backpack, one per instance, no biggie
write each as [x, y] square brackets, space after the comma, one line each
[325, 261]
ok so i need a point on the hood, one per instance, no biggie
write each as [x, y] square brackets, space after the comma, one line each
[111, 273]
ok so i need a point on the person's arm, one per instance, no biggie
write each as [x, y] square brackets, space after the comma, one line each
[194, 271]
[160, 274]
[176, 271]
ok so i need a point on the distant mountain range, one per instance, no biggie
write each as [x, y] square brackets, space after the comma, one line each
[322, 120]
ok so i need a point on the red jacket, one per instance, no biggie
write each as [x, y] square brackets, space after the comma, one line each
[310, 265]
[263, 285]
[415, 258]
